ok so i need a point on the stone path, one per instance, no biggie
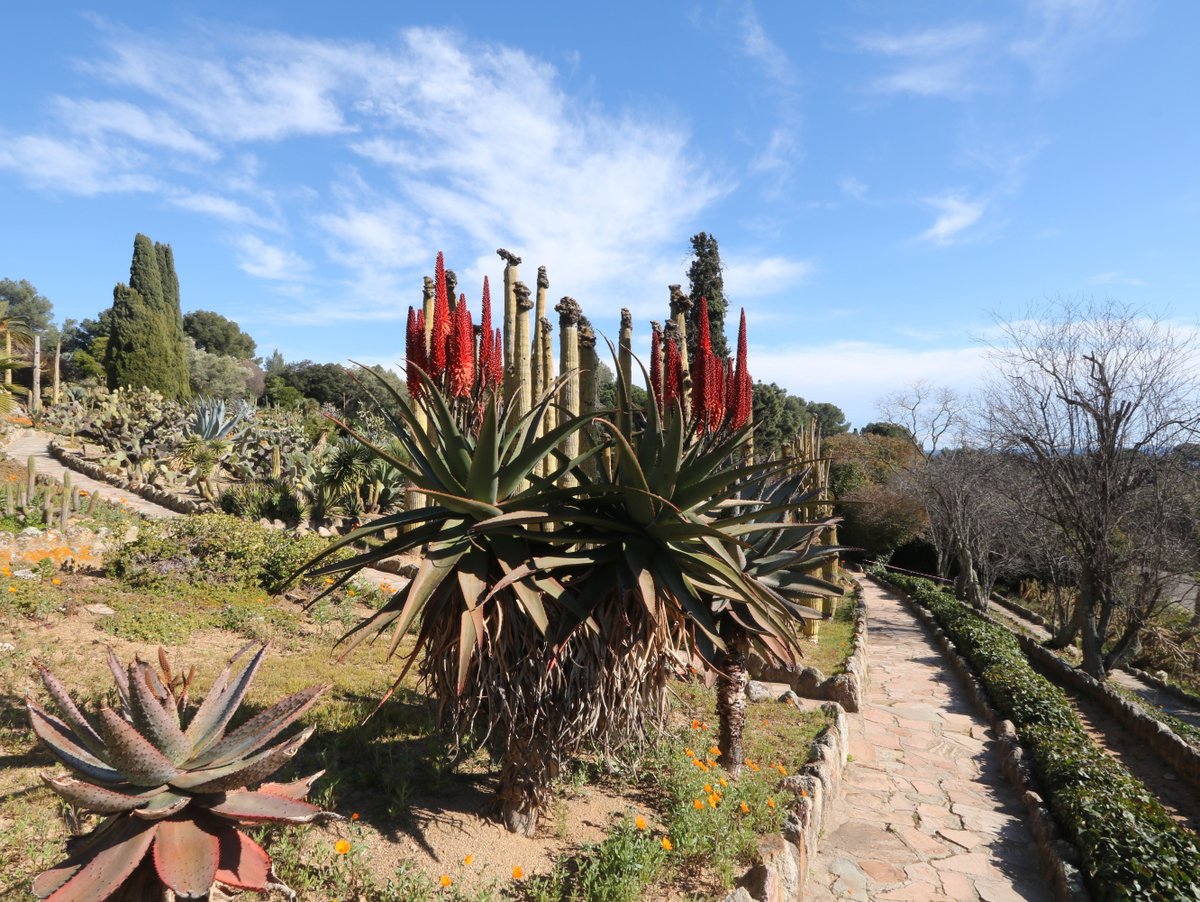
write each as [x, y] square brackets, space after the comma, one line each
[926, 813]
[28, 442]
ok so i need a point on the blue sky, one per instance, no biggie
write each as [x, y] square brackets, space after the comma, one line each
[882, 177]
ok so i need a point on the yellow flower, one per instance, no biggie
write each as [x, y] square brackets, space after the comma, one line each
[342, 846]
[770, 803]
[56, 582]
[468, 859]
[445, 880]
[687, 752]
[723, 781]
[12, 589]
[698, 804]
[713, 799]
[518, 872]
[745, 808]
[666, 844]
[640, 822]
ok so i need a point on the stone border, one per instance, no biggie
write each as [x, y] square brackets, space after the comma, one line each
[1184, 758]
[1020, 610]
[148, 492]
[1059, 857]
[846, 689]
[782, 871]
[1163, 686]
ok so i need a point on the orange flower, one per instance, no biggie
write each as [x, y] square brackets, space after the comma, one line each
[467, 859]
[698, 804]
[713, 798]
[56, 582]
[723, 781]
[342, 846]
[518, 872]
[445, 880]
[770, 803]
[666, 844]
[782, 770]
[689, 753]
[745, 808]
[804, 792]
[354, 816]
[708, 788]
[640, 822]
[695, 724]
[715, 752]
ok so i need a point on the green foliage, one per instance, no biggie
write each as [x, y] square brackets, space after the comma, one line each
[879, 518]
[217, 376]
[212, 550]
[215, 334]
[778, 418]
[145, 346]
[1133, 851]
[27, 305]
[706, 280]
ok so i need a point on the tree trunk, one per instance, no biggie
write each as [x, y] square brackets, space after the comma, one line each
[1068, 629]
[519, 802]
[732, 678]
[1127, 647]
[1093, 652]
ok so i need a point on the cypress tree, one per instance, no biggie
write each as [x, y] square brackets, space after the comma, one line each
[707, 282]
[145, 346]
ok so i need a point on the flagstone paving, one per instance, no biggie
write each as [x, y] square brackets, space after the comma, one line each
[926, 813]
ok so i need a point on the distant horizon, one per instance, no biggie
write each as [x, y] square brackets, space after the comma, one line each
[880, 182]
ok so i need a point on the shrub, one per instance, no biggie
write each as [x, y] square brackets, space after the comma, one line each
[212, 549]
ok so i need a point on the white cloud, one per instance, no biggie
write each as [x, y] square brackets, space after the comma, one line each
[933, 62]
[856, 188]
[1115, 278]
[1065, 30]
[955, 215]
[763, 276]
[783, 150]
[267, 261]
[757, 44]
[100, 117]
[220, 207]
[854, 375]
[85, 167]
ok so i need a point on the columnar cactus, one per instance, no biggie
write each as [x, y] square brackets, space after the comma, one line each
[522, 396]
[546, 351]
[589, 366]
[680, 305]
[511, 275]
[537, 361]
[568, 347]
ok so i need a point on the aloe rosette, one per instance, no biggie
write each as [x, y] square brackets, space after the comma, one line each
[173, 795]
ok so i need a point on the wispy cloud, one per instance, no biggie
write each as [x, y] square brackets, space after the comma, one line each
[748, 277]
[1115, 278]
[86, 167]
[933, 62]
[956, 214]
[783, 149]
[855, 188]
[267, 261]
[1060, 31]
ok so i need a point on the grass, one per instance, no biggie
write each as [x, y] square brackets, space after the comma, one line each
[834, 640]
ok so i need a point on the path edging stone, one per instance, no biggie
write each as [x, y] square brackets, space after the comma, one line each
[148, 492]
[1163, 686]
[1059, 857]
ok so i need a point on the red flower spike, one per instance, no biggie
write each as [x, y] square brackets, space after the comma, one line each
[485, 332]
[672, 377]
[703, 337]
[741, 379]
[717, 394]
[414, 346]
[461, 362]
[731, 392]
[656, 369]
[441, 322]
[496, 361]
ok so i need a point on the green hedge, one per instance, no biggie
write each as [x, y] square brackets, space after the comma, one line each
[1132, 849]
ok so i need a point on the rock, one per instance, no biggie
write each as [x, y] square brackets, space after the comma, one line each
[844, 690]
[31, 531]
[278, 524]
[6, 647]
[760, 692]
[777, 878]
[324, 532]
[26, 574]
[264, 522]
[739, 895]
[101, 610]
[131, 535]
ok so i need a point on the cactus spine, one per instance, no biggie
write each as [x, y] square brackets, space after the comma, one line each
[568, 347]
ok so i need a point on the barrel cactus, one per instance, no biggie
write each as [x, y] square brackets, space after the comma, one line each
[172, 787]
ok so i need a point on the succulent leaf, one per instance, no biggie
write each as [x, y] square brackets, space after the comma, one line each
[132, 753]
[120, 678]
[242, 773]
[158, 724]
[243, 863]
[244, 805]
[208, 726]
[297, 789]
[99, 799]
[67, 747]
[186, 856]
[164, 804]
[97, 870]
[79, 724]
[260, 729]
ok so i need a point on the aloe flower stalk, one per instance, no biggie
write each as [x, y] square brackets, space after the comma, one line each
[485, 333]
[656, 365]
[702, 372]
[414, 347]
[496, 361]
[673, 377]
[461, 359]
[440, 336]
[731, 394]
[741, 378]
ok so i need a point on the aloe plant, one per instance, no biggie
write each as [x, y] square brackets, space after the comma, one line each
[173, 787]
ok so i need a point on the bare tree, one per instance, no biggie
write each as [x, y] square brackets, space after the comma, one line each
[1095, 395]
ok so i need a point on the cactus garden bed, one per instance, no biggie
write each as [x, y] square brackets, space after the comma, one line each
[410, 820]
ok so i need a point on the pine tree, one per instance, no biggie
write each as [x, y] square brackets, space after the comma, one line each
[145, 346]
[706, 281]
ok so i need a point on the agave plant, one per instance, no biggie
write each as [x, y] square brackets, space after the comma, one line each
[173, 788]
